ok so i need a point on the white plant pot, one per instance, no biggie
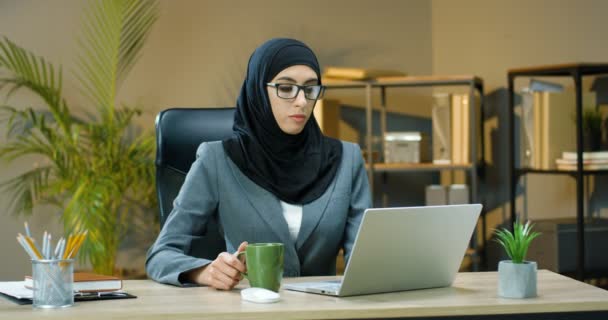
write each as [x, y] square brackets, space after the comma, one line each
[516, 280]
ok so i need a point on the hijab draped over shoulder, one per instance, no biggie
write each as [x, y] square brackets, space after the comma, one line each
[296, 168]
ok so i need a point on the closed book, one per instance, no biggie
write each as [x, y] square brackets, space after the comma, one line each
[529, 151]
[456, 126]
[442, 135]
[557, 126]
[466, 119]
[545, 86]
[359, 73]
[570, 155]
[89, 282]
[465, 157]
[590, 166]
[537, 118]
[585, 161]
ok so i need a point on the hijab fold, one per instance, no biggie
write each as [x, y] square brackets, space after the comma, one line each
[296, 168]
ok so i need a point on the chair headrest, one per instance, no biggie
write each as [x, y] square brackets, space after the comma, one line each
[179, 132]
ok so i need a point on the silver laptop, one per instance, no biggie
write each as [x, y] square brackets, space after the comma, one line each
[399, 249]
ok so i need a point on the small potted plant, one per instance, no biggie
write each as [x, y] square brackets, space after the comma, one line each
[517, 277]
[592, 130]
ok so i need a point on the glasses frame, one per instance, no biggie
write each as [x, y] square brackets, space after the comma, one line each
[276, 86]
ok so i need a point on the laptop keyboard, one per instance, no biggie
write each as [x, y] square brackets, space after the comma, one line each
[333, 281]
[331, 285]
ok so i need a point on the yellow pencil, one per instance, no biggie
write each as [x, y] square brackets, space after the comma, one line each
[34, 249]
[78, 243]
[68, 247]
[74, 246]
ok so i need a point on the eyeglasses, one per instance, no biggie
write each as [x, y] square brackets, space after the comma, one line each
[290, 91]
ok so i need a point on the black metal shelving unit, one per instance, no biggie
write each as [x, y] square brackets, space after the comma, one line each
[576, 71]
[475, 169]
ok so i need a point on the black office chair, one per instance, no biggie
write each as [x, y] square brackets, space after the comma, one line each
[179, 132]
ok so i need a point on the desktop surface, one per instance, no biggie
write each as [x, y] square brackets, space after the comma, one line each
[473, 295]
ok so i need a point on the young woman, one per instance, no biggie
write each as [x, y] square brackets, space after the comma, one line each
[278, 179]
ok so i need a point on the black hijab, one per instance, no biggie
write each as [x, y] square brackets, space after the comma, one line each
[296, 168]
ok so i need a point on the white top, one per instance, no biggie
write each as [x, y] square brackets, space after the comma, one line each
[293, 216]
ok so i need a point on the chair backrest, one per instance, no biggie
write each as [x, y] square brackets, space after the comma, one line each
[179, 132]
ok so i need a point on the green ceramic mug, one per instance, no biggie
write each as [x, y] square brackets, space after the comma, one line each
[264, 265]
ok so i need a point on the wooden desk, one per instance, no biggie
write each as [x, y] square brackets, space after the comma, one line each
[473, 296]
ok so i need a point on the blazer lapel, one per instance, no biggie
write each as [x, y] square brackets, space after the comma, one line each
[312, 214]
[266, 205]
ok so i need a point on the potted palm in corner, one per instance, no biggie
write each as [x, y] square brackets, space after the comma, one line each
[517, 277]
[97, 170]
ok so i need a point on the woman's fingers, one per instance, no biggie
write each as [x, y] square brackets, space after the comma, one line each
[225, 271]
[218, 280]
[231, 266]
[222, 281]
[239, 254]
[242, 247]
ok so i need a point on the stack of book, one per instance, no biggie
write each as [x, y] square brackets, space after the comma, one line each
[346, 73]
[87, 286]
[452, 128]
[591, 161]
[547, 124]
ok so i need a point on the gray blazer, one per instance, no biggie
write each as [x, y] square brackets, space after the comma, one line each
[246, 212]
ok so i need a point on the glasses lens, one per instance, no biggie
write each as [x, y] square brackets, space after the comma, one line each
[312, 92]
[287, 91]
[290, 91]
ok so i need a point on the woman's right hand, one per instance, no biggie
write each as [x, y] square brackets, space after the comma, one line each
[224, 273]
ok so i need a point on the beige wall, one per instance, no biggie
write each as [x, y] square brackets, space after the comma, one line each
[45, 29]
[487, 38]
[198, 52]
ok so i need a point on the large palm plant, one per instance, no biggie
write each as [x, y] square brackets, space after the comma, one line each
[97, 170]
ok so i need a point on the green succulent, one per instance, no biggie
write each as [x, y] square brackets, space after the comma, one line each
[516, 243]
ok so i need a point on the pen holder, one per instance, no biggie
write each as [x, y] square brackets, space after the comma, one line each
[53, 283]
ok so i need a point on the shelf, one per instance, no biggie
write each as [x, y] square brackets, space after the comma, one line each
[331, 83]
[409, 81]
[565, 69]
[420, 81]
[521, 171]
[474, 169]
[575, 71]
[409, 167]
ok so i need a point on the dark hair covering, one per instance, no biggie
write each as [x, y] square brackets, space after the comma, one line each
[296, 168]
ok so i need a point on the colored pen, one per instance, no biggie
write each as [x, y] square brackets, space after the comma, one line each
[27, 230]
[26, 247]
[57, 248]
[49, 247]
[44, 244]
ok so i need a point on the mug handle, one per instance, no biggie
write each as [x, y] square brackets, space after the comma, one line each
[244, 274]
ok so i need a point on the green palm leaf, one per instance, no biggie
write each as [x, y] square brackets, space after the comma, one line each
[35, 74]
[99, 172]
[114, 33]
[27, 189]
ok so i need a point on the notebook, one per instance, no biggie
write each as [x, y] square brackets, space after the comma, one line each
[89, 282]
[406, 248]
[16, 292]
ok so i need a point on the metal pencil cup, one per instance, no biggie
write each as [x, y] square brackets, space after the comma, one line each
[53, 283]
